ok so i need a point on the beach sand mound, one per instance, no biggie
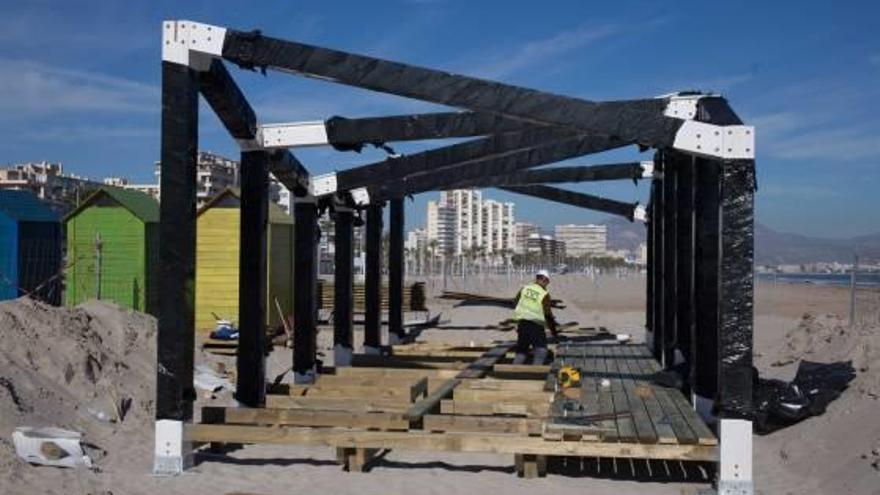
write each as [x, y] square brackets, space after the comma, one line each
[830, 338]
[836, 452]
[77, 368]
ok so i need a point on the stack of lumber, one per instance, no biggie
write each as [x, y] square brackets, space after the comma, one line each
[414, 298]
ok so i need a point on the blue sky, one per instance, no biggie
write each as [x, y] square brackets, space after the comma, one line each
[79, 82]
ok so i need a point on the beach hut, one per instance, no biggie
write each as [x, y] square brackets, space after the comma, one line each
[217, 263]
[112, 249]
[30, 247]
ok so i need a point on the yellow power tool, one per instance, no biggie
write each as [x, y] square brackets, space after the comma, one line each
[568, 376]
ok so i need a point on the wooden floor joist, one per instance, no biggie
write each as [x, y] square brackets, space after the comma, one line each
[450, 441]
[300, 417]
[481, 424]
[338, 403]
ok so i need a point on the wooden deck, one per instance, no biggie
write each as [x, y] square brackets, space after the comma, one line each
[431, 397]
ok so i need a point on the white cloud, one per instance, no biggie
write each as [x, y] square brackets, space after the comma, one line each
[828, 144]
[30, 88]
[797, 191]
[535, 52]
[87, 133]
[819, 119]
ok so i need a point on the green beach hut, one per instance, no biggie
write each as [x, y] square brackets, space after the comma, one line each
[112, 249]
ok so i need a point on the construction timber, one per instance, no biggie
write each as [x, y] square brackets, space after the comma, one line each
[471, 399]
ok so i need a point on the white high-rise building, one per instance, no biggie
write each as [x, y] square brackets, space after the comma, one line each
[498, 228]
[581, 240]
[466, 204]
[440, 227]
[521, 233]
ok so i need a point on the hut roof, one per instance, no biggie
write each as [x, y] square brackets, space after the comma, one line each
[276, 213]
[25, 206]
[141, 205]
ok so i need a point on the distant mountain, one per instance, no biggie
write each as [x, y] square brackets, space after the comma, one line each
[623, 234]
[771, 247]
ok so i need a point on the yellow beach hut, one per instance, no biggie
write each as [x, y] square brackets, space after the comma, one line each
[217, 263]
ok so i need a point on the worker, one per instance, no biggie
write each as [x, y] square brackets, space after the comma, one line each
[532, 313]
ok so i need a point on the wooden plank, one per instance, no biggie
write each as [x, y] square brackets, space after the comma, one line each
[626, 430]
[370, 360]
[299, 417]
[642, 421]
[432, 401]
[669, 411]
[481, 424]
[508, 385]
[450, 441]
[704, 434]
[484, 364]
[395, 372]
[413, 389]
[606, 397]
[512, 407]
[337, 403]
[467, 394]
[522, 371]
[645, 391]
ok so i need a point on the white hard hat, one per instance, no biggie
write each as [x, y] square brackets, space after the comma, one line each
[543, 273]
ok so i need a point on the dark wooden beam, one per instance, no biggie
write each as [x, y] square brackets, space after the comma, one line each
[177, 243]
[572, 198]
[345, 133]
[479, 170]
[252, 279]
[670, 273]
[395, 270]
[638, 120]
[373, 278]
[305, 292]
[737, 291]
[343, 276]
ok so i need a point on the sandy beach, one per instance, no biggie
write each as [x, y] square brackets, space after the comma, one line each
[831, 454]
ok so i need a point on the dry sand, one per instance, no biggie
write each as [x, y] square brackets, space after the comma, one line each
[55, 364]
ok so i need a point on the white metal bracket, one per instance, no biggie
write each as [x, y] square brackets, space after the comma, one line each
[732, 142]
[322, 185]
[172, 453]
[682, 106]
[360, 196]
[294, 134]
[647, 169]
[182, 39]
[735, 469]
[640, 214]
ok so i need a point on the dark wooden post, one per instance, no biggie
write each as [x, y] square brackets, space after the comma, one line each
[251, 359]
[305, 292]
[177, 243]
[343, 314]
[396, 332]
[685, 264]
[373, 280]
[670, 302]
[650, 329]
[736, 288]
[707, 253]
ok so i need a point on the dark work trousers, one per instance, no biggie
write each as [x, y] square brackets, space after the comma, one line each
[530, 335]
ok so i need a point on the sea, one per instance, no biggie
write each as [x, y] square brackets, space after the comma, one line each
[866, 280]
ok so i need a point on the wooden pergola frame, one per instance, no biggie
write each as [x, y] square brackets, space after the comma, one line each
[699, 218]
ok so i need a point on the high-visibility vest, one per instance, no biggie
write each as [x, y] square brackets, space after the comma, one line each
[531, 304]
